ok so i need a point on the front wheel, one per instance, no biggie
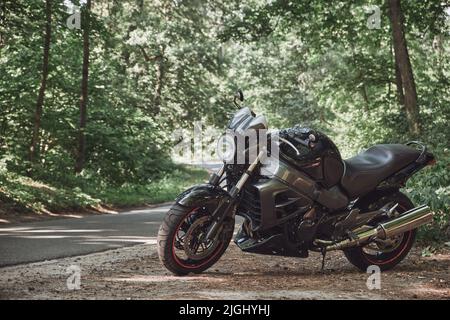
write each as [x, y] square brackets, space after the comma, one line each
[385, 254]
[180, 248]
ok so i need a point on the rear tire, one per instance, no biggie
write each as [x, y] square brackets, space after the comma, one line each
[174, 221]
[385, 260]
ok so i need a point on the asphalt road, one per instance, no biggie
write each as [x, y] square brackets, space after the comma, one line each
[50, 239]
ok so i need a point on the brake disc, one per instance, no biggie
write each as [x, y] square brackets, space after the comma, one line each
[194, 248]
[387, 245]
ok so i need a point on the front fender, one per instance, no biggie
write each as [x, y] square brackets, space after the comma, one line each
[205, 195]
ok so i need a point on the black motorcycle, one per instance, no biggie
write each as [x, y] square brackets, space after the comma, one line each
[310, 199]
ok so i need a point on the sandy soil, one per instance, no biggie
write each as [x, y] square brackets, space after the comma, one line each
[136, 273]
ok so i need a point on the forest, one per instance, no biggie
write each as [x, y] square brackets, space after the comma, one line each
[92, 90]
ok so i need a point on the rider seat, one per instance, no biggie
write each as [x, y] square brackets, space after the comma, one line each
[363, 172]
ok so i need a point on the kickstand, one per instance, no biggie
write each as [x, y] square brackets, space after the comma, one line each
[324, 254]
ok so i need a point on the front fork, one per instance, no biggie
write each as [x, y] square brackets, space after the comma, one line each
[227, 203]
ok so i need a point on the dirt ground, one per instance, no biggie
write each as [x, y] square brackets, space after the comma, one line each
[136, 273]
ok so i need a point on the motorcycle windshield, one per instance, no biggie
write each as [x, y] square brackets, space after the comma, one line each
[243, 120]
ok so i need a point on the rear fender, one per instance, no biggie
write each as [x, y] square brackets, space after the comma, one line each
[364, 203]
[398, 180]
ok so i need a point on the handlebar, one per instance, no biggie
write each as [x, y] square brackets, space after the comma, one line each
[289, 144]
[308, 142]
[304, 142]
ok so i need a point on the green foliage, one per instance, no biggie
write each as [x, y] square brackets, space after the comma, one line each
[156, 66]
[128, 129]
[19, 193]
[163, 189]
[317, 63]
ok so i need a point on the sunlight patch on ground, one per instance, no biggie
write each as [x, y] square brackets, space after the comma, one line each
[148, 210]
[64, 230]
[162, 278]
[15, 229]
[76, 216]
[44, 237]
[283, 294]
[428, 290]
[439, 257]
[121, 239]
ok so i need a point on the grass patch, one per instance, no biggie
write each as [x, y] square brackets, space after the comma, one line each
[161, 190]
[19, 193]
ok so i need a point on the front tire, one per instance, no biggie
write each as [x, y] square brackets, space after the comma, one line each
[176, 254]
[388, 258]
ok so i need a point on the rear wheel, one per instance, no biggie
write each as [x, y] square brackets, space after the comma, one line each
[385, 254]
[180, 248]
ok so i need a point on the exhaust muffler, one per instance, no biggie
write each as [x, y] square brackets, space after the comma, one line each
[407, 221]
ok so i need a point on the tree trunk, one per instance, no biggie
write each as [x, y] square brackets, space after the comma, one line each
[160, 74]
[363, 91]
[399, 85]
[81, 154]
[398, 80]
[404, 66]
[40, 100]
[2, 21]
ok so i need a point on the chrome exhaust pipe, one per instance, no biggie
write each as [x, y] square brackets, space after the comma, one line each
[407, 221]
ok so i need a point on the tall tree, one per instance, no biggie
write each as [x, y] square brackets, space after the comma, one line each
[81, 153]
[403, 64]
[40, 100]
[160, 74]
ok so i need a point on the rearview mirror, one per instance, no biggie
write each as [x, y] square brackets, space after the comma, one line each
[239, 95]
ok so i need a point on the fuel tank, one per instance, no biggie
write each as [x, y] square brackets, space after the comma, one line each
[320, 159]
